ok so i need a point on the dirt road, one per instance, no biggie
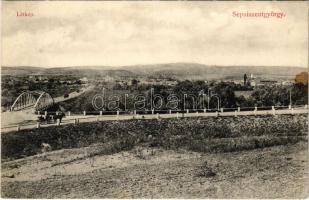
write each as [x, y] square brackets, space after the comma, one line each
[276, 172]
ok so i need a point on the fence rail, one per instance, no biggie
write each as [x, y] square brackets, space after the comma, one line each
[133, 112]
[82, 117]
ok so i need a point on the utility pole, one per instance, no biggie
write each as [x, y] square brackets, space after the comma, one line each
[125, 102]
[290, 97]
[208, 99]
[151, 95]
[103, 97]
[184, 101]
[203, 101]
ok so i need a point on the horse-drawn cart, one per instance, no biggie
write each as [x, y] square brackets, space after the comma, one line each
[51, 118]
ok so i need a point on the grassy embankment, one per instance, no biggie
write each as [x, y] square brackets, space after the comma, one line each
[222, 134]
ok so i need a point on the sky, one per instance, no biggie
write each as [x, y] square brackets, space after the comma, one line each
[77, 33]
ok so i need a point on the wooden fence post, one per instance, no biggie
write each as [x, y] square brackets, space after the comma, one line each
[221, 110]
[38, 125]
[292, 111]
[101, 112]
[84, 113]
[235, 113]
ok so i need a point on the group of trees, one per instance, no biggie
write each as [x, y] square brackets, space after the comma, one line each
[190, 95]
[295, 94]
[268, 95]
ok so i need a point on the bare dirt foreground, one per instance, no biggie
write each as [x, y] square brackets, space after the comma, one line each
[273, 172]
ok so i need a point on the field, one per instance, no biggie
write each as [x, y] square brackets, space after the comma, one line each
[240, 157]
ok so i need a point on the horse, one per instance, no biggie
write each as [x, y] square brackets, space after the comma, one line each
[59, 116]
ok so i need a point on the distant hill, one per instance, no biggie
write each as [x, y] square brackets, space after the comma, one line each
[199, 71]
[176, 70]
[19, 71]
[87, 71]
[75, 71]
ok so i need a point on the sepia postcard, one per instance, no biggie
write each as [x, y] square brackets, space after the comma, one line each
[154, 99]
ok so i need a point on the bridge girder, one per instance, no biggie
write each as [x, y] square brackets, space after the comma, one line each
[38, 100]
[44, 101]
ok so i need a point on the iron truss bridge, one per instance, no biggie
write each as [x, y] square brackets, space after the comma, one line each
[36, 100]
